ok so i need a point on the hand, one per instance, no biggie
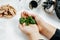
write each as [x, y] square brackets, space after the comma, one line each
[39, 20]
[45, 28]
[31, 30]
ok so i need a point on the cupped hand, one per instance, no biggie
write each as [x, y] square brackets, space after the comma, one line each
[45, 28]
[31, 28]
[40, 22]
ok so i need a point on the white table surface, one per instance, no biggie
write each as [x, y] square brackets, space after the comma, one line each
[9, 27]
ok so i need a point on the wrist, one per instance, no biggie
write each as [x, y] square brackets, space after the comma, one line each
[36, 36]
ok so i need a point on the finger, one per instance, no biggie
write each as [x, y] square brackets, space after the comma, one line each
[20, 26]
[23, 15]
[24, 24]
[28, 14]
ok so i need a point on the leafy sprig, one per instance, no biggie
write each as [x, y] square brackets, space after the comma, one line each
[27, 21]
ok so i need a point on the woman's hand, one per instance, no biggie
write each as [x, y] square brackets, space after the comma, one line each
[39, 21]
[32, 30]
[45, 28]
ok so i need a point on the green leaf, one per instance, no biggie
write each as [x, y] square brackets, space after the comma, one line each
[27, 21]
[32, 21]
[22, 20]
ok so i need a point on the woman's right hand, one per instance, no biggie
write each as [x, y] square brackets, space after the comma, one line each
[39, 20]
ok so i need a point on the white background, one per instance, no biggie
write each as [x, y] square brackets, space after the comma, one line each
[9, 27]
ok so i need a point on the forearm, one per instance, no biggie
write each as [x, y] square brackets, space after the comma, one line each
[35, 36]
[48, 30]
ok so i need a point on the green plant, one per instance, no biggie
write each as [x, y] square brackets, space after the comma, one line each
[27, 21]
